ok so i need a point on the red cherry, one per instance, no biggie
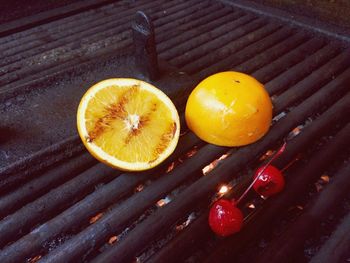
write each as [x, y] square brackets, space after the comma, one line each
[225, 218]
[270, 182]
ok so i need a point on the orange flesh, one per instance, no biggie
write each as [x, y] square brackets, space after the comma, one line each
[130, 123]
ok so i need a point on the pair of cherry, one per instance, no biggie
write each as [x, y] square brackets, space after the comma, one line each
[225, 218]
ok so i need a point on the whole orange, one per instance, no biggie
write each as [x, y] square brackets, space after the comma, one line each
[229, 109]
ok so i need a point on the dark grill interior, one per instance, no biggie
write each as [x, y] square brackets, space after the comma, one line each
[57, 204]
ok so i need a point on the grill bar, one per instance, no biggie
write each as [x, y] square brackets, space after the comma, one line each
[45, 17]
[248, 52]
[92, 204]
[337, 246]
[222, 52]
[315, 80]
[74, 57]
[47, 205]
[302, 69]
[206, 21]
[117, 19]
[206, 43]
[332, 117]
[203, 38]
[201, 17]
[186, 242]
[203, 187]
[199, 230]
[111, 26]
[118, 218]
[11, 39]
[291, 19]
[301, 178]
[62, 45]
[294, 43]
[80, 17]
[24, 170]
[181, 14]
[63, 33]
[293, 239]
[291, 58]
[36, 187]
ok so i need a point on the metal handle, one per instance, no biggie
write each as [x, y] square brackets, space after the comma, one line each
[146, 58]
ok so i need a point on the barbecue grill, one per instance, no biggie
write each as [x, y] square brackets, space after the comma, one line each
[58, 204]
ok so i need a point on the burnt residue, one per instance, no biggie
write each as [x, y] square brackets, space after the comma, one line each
[165, 139]
[113, 112]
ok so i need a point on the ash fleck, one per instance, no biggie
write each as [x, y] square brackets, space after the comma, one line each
[53, 244]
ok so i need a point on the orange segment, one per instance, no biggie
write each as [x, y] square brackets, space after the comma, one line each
[128, 124]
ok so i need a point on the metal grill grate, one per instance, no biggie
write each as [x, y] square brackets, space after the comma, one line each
[59, 205]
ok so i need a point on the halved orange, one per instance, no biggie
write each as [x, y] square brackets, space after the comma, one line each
[229, 109]
[128, 124]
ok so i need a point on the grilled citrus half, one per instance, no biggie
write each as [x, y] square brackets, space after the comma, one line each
[128, 124]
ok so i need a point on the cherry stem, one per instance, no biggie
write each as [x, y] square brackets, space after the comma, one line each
[277, 154]
[289, 164]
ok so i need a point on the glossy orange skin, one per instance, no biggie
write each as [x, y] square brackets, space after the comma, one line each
[229, 109]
